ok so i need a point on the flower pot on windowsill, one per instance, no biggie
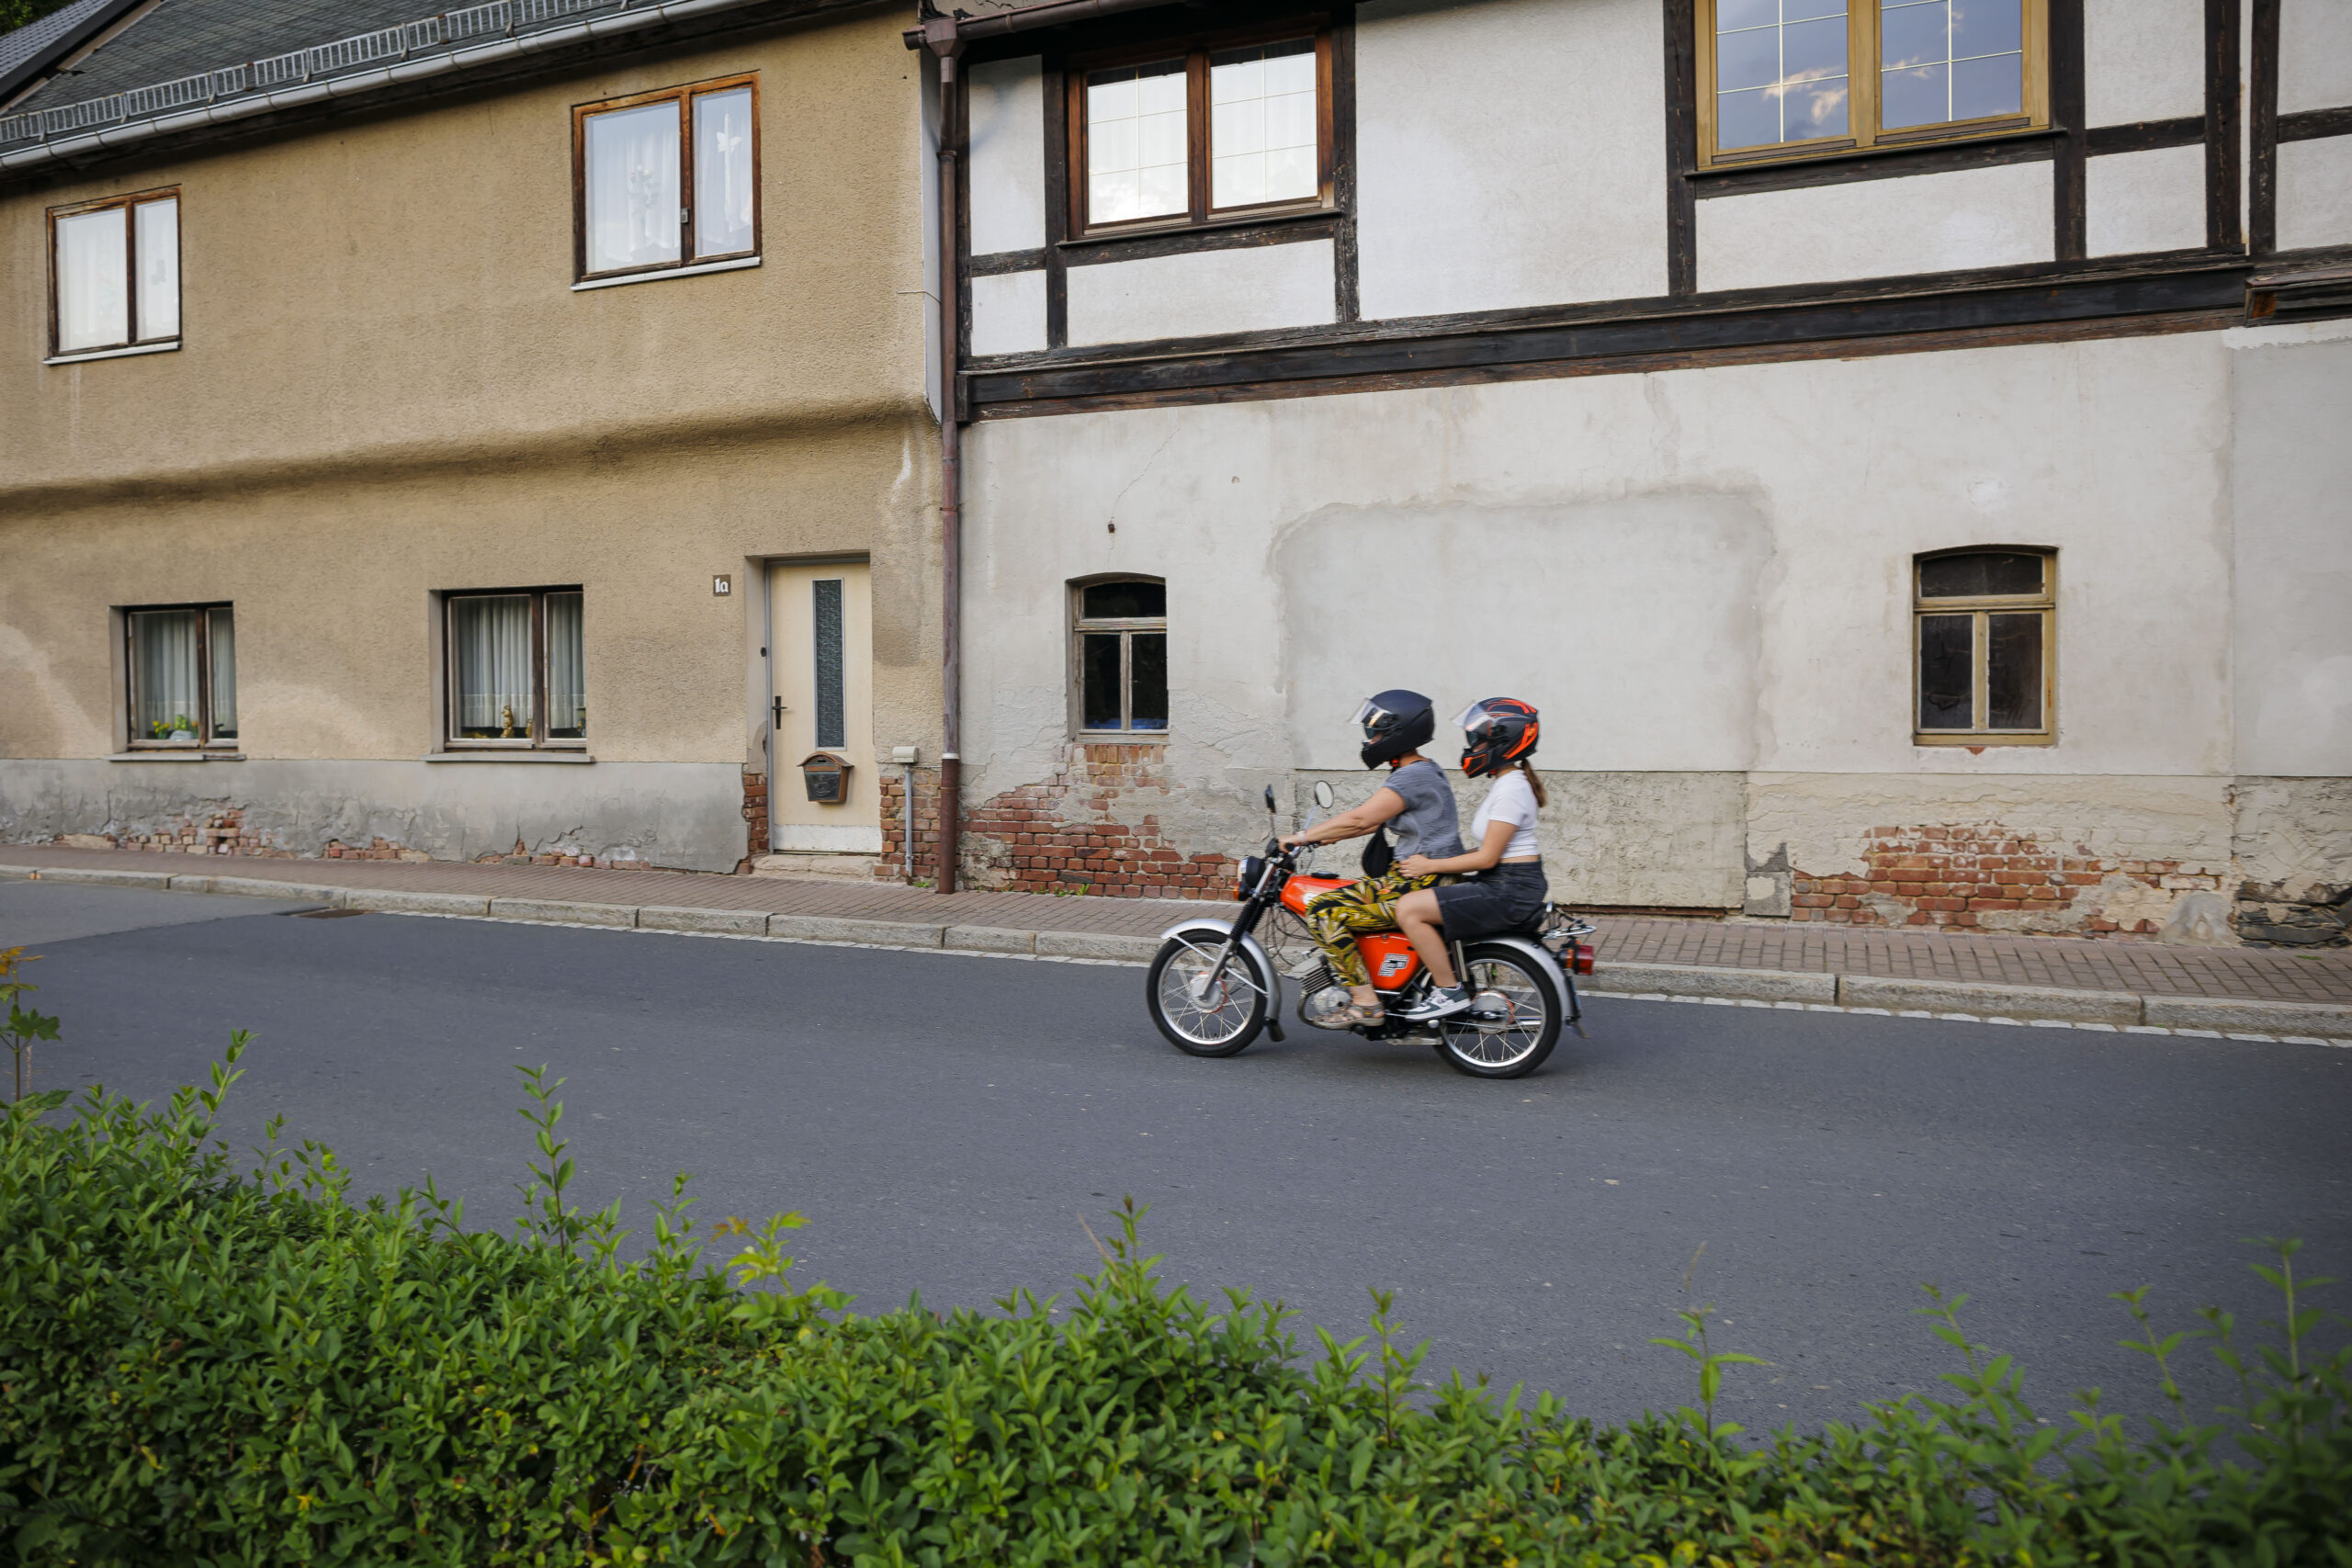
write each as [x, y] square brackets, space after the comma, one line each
[181, 735]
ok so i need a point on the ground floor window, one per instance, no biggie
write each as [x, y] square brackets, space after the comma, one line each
[182, 662]
[517, 668]
[1119, 648]
[1985, 646]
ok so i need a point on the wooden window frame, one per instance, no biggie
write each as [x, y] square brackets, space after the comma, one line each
[538, 738]
[205, 739]
[130, 269]
[1195, 49]
[683, 95]
[1863, 100]
[1080, 626]
[1980, 607]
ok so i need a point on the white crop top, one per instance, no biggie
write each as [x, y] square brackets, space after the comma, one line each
[1512, 799]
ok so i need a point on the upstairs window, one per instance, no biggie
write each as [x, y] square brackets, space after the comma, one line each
[517, 669]
[115, 275]
[182, 662]
[1985, 641]
[667, 181]
[1212, 130]
[1119, 649]
[1783, 78]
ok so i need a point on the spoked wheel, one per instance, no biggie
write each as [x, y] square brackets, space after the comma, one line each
[1204, 1015]
[1514, 1017]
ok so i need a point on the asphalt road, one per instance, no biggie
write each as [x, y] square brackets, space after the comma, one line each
[945, 1121]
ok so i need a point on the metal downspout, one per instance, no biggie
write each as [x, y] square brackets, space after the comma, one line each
[940, 35]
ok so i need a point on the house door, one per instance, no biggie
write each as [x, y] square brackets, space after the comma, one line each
[820, 710]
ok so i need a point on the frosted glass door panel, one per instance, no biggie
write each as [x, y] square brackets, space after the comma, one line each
[93, 272]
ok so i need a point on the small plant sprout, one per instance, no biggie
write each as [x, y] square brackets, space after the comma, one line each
[25, 1026]
[1692, 1342]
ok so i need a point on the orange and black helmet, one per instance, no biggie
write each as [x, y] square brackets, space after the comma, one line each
[1500, 731]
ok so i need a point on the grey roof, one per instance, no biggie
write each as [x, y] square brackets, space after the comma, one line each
[184, 38]
[21, 47]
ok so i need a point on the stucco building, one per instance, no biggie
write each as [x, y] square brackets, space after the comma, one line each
[1898, 445]
[466, 433]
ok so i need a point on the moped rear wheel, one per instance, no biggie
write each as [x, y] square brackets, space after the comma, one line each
[1514, 1019]
[1202, 1017]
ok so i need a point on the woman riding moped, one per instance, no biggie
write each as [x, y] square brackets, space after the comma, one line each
[1507, 892]
[1419, 802]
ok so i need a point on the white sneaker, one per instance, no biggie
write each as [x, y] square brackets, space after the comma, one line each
[1439, 1003]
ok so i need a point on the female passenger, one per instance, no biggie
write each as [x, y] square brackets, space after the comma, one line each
[1499, 736]
[1419, 802]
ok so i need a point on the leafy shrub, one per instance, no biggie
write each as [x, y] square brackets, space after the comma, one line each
[202, 1364]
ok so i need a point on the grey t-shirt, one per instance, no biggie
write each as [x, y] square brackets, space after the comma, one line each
[1428, 825]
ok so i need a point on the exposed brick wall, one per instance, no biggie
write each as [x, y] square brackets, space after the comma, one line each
[755, 815]
[1987, 876]
[217, 832]
[891, 865]
[1082, 831]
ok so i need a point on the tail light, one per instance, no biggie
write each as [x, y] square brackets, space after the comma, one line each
[1584, 959]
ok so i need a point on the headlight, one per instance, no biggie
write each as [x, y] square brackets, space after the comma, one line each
[1252, 868]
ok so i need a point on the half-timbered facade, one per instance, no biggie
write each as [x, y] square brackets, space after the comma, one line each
[1899, 444]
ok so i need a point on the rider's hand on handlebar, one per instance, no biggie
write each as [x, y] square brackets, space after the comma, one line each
[1292, 840]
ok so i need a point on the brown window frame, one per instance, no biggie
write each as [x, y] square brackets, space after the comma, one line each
[1196, 47]
[1082, 625]
[130, 268]
[1862, 102]
[537, 740]
[1979, 607]
[205, 739]
[683, 95]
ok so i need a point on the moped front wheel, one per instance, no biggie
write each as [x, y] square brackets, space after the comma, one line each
[1514, 1017]
[1202, 1010]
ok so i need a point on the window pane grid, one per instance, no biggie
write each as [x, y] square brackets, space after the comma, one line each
[1984, 634]
[1781, 72]
[1121, 657]
[1211, 131]
[1262, 131]
[1137, 134]
[668, 179]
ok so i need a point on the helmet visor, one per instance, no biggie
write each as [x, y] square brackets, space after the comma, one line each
[1475, 720]
[1373, 718]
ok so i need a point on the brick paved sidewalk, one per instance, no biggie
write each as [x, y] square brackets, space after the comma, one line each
[2142, 967]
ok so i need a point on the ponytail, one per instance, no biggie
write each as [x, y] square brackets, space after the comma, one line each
[1535, 782]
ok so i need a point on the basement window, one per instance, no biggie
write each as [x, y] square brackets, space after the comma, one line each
[114, 275]
[181, 663]
[1202, 130]
[1119, 658]
[1985, 647]
[667, 181]
[1796, 78]
[517, 669]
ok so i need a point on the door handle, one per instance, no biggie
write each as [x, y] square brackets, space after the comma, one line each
[778, 721]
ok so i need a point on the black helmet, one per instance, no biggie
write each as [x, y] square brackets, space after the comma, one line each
[1498, 731]
[1395, 724]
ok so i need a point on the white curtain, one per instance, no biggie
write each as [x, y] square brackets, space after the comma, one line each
[158, 234]
[163, 655]
[567, 667]
[723, 173]
[93, 272]
[632, 178]
[489, 643]
[221, 638]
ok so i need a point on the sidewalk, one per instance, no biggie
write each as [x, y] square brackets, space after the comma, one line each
[2119, 982]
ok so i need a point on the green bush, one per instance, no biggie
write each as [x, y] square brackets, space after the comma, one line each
[206, 1364]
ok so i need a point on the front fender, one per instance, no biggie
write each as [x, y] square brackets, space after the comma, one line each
[1222, 930]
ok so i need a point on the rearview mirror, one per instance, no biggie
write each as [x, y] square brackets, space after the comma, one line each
[1323, 794]
[1269, 797]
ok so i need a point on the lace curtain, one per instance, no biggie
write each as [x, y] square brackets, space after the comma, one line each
[490, 642]
[163, 652]
[567, 669]
[633, 197]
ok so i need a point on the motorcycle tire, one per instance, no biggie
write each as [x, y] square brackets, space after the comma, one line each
[1515, 1043]
[1222, 1024]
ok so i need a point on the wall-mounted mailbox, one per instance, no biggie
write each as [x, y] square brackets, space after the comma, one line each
[827, 777]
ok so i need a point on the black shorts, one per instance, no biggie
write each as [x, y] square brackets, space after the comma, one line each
[1503, 898]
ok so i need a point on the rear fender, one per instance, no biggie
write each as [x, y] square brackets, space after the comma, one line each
[1539, 958]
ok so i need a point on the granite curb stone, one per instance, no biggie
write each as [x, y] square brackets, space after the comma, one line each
[395, 901]
[2008, 1001]
[1097, 944]
[723, 923]
[1706, 980]
[2324, 1019]
[990, 939]
[261, 887]
[76, 874]
[565, 912]
[830, 928]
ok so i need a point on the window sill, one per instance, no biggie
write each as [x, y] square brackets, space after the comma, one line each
[193, 754]
[1845, 153]
[1121, 738]
[517, 754]
[736, 264]
[1979, 742]
[88, 354]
